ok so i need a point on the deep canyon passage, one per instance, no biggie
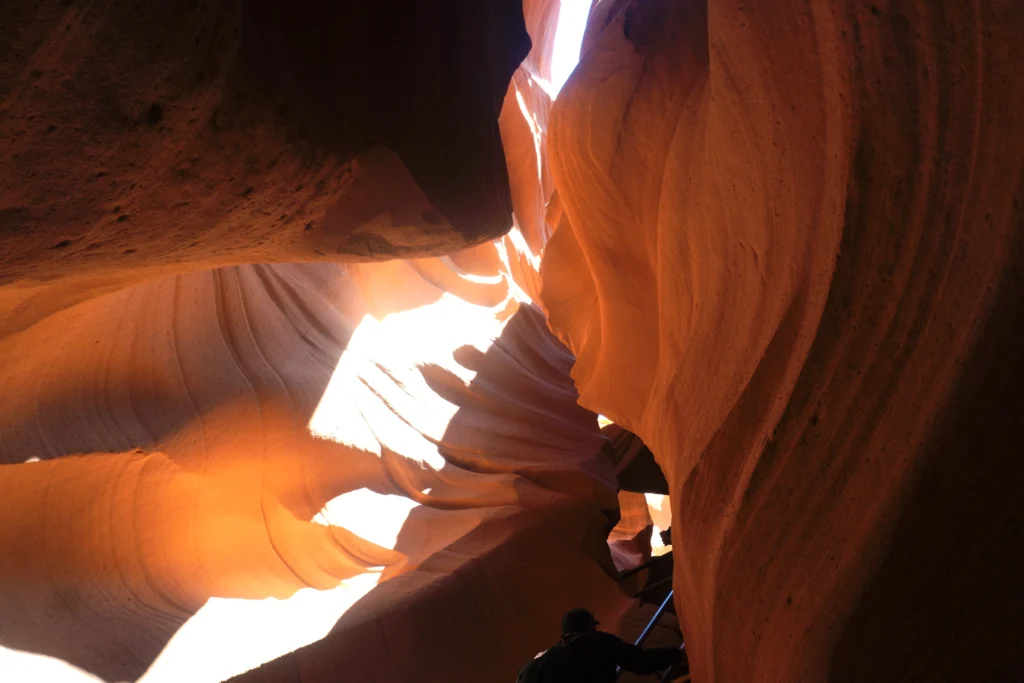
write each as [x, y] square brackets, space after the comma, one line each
[309, 310]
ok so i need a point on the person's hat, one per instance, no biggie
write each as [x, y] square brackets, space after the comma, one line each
[578, 619]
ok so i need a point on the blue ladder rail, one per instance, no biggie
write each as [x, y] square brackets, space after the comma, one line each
[650, 627]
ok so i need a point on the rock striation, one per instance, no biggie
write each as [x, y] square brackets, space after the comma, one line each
[290, 295]
[789, 260]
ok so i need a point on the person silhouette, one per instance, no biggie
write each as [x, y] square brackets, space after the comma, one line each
[585, 655]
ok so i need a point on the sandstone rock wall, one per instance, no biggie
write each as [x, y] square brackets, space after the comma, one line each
[790, 260]
[787, 257]
[196, 435]
[189, 430]
[142, 141]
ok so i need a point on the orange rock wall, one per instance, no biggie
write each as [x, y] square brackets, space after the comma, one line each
[189, 429]
[787, 257]
[193, 135]
[790, 261]
[179, 432]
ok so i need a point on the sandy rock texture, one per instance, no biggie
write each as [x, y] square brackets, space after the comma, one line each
[243, 433]
[196, 436]
[140, 141]
[218, 453]
[790, 260]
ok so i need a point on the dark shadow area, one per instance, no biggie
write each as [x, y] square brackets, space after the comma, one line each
[656, 577]
[638, 471]
[952, 585]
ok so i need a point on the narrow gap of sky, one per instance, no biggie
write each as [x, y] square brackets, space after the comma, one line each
[572, 20]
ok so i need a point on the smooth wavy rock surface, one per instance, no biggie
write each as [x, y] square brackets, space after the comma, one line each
[790, 261]
[196, 437]
[213, 460]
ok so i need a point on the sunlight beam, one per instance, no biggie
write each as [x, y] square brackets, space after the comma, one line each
[572, 22]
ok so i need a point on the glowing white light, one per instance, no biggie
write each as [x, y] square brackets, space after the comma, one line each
[535, 130]
[377, 517]
[29, 666]
[572, 21]
[337, 416]
[227, 637]
[380, 361]
[660, 509]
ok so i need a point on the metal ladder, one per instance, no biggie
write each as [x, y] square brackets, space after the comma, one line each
[647, 631]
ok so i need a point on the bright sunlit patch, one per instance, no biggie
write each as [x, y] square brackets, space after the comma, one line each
[227, 636]
[546, 86]
[378, 396]
[337, 416]
[572, 22]
[522, 253]
[374, 516]
[381, 360]
[535, 130]
[603, 421]
[660, 509]
[481, 279]
[16, 665]
[658, 547]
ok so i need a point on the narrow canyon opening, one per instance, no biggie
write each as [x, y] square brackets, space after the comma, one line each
[360, 341]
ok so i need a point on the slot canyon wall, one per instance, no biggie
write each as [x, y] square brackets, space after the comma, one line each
[243, 436]
[790, 260]
[229, 439]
